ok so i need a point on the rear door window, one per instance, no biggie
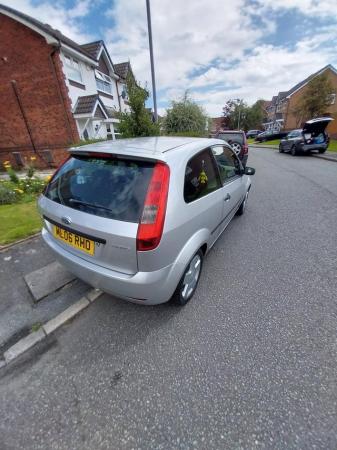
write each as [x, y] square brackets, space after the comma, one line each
[201, 176]
[232, 137]
[227, 161]
[103, 186]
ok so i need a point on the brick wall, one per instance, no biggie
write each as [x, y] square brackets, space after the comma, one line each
[33, 97]
[292, 122]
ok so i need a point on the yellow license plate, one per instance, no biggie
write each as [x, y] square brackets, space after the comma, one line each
[76, 241]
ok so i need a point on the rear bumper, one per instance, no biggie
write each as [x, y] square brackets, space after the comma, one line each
[150, 288]
[313, 147]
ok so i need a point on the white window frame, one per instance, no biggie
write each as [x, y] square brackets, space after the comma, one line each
[103, 82]
[74, 65]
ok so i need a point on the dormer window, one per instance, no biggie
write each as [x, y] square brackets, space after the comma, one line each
[103, 82]
[73, 69]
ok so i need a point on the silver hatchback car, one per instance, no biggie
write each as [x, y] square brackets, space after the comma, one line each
[136, 217]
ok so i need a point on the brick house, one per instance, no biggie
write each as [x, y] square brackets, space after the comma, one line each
[280, 110]
[54, 91]
[219, 124]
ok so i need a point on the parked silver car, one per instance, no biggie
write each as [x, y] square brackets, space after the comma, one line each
[136, 217]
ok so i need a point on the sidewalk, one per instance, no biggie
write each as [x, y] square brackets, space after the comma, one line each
[328, 156]
[22, 174]
[19, 313]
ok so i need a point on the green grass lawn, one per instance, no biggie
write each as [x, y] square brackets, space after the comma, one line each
[273, 142]
[18, 221]
[332, 146]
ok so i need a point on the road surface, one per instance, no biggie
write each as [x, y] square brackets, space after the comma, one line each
[250, 362]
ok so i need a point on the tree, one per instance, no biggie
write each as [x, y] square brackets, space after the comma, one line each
[137, 122]
[242, 116]
[315, 100]
[185, 116]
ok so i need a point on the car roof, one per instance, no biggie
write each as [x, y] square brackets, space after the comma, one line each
[145, 146]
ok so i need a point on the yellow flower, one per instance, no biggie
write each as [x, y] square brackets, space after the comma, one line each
[33, 158]
[48, 177]
[7, 166]
[5, 163]
[20, 191]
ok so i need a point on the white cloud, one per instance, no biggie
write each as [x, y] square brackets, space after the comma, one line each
[211, 47]
[57, 15]
[308, 7]
[189, 37]
[186, 36]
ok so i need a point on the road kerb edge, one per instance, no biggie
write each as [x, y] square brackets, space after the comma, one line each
[23, 345]
[49, 327]
[93, 295]
[65, 315]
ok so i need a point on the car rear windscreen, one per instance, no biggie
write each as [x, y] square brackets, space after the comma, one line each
[104, 186]
[231, 137]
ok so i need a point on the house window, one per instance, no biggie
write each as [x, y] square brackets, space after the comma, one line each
[332, 99]
[73, 70]
[103, 82]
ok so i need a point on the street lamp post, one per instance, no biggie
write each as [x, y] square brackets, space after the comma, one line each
[149, 27]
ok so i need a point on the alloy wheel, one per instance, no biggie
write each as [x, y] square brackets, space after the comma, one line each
[191, 277]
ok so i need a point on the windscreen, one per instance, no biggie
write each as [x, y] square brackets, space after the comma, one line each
[232, 137]
[104, 186]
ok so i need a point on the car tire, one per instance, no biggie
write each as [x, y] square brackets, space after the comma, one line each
[280, 148]
[243, 205]
[189, 280]
[293, 150]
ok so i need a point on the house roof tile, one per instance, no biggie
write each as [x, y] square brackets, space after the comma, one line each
[93, 48]
[122, 69]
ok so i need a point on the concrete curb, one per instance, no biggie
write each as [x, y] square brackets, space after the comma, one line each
[325, 156]
[49, 327]
[4, 248]
[274, 147]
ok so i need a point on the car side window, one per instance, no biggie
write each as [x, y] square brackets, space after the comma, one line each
[227, 161]
[201, 177]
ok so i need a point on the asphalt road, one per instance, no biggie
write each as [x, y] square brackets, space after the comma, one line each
[250, 362]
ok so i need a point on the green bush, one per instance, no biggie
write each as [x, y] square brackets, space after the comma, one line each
[9, 193]
[86, 142]
[189, 134]
[12, 175]
[33, 185]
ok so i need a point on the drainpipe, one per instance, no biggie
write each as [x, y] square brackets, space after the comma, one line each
[23, 113]
[119, 100]
[59, 91]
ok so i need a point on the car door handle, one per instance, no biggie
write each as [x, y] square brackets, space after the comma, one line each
[227, 198]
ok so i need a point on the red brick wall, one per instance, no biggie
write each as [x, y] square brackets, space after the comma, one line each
[26, 58]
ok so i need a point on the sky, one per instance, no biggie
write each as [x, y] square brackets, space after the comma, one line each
[215, 49]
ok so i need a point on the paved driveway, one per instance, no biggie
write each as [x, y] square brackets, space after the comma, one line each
[250, 363]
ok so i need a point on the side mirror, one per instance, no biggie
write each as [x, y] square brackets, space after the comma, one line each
[249, 171]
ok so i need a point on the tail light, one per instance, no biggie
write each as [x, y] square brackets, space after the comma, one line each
[150, 228]
[245, 149]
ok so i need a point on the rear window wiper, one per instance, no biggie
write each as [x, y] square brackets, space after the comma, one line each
[90, 205]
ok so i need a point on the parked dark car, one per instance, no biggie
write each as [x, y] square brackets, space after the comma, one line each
[253, 133]
[237, 140]
[312, 137]
[270, 136]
